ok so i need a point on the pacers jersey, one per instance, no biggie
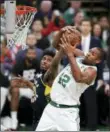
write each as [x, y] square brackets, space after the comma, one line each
[42, 90]
[65, 90]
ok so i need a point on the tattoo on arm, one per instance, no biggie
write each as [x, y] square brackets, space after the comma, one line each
[82, 77]
[88, 76]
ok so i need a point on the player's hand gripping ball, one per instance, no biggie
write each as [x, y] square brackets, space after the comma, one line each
[70, 31]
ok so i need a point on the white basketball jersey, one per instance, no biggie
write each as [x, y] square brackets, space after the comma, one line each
[65, 90]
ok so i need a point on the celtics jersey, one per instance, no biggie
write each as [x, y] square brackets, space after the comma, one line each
[65, 90]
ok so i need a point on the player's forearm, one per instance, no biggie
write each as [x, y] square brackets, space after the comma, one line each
[53, 70]
[76, 72]
[57, 59]
[78, 52]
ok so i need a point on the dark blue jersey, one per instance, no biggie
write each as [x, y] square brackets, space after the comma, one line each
[42, 90]
[43, 93]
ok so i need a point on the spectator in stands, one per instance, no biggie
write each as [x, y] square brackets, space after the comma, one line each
[89, 96]
[108, 53]
[103, 95]
[4, 88]
[108, 62]
[56, 23]
[45, 12]
[97, 30]
[88, 41]
[103, 90]
[69, 13]
[5, 58]
[30, 42]
[104, 22]
[78, 17]
[4, 85]
[26, 68]
[36, 28]
[105, 30]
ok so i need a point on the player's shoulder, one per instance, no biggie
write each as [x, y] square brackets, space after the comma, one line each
[92, 69]
[80, 61]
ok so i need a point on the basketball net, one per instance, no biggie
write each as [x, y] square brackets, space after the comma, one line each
[24, 18]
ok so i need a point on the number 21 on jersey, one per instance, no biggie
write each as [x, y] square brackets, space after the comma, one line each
[63, 79]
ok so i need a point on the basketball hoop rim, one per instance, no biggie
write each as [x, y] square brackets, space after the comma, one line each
[21, 10]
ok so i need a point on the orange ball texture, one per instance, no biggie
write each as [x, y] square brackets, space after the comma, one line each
[74, 37]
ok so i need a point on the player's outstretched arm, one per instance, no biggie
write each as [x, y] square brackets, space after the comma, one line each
[53, 70]
[82, 77]
[78, 52]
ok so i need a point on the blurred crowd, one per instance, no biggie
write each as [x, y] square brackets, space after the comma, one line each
[95, 32]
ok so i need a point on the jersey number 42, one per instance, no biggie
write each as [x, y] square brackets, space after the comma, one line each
[64, 79]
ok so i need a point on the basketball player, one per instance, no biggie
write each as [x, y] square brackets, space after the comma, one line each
[62, 113]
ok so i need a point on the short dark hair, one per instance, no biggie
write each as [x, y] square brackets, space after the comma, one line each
[49, 53]
[102, 53]
[86, 20]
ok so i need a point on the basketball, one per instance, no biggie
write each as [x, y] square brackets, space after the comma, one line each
[73, 35]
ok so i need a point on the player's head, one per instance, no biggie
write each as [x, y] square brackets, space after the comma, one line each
[31, 55]
[94, 56]
[47, 59]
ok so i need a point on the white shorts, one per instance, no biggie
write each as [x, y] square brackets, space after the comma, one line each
[59, 119]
